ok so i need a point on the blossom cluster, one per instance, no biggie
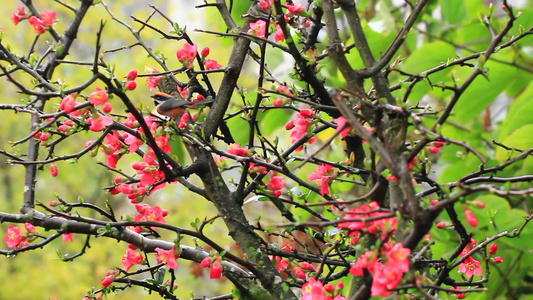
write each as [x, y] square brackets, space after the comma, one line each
[385, 226]
[45, 20]
[386, 272]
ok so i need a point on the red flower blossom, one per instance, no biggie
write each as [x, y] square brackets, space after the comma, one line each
[168, 257]
[341, 121]
[184, 120]
[433, 149]
[300, 126]
[152, 81]
[204, 52]
[397, 258]
[205, 262]
[279, 36]
[470, 217]
[322, 177]
[258, 28]
[493, 248]
[68, 103]
[48, 18]
[257, 169]
[187, 54]
[53, 170]
[130, 85]
[294, 9]
[67, 237]
[132, 75]
[37, 25]
[131, 258]
[19, 16]
[211, 64]
[264, 5]
[498, 259]
[215, 271]
[29, 227]
[109, 278]
[470, 267]
[99, 97]
[13, 237]
[99, 122]
[275, 185]
[236, 149]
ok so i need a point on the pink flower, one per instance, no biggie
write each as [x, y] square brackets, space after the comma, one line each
[211, 64]
[168, 257]
[322, 177]
[99, 97]
[258, 28]
[470, 267]
[37, 25]
[314, 290]
[131, 258]
[236, 149]
[205, 52]
[99, 122]
[205, 262]
[341, 121]
[67, 237]
[147, 213]
[19, 16]
[187, 54]
[493, 248]
[279, 35]
[470, 217]
[68, 103]
[109, 278]
[184, 120]
[130, 85]
[152, 81]
[29, 227]
[48, 18]
[366, 261]
[264, 5]
[53, 170]
[132, 75]
[498, 259]
[215, 271]
[275, 184]
[397, 258]
[432, 149]
[132, 141]
[13, 237]
[294, 9]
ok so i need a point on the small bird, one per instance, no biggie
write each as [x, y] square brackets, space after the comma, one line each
[173, 107]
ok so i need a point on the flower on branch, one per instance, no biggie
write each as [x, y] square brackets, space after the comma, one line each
[470, 267]
[131, 258]
[19, 16]
[236, 149]
[258, 28]
[187, 54]
[152, 81]
[211, 64]
[13, 237]
[99, 122]
[322, 175]
[168, 257]
[109, 278]
[275, 185]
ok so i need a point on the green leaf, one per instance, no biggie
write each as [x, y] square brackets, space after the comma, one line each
[453, 11]
[520, 138]
[481, 93]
